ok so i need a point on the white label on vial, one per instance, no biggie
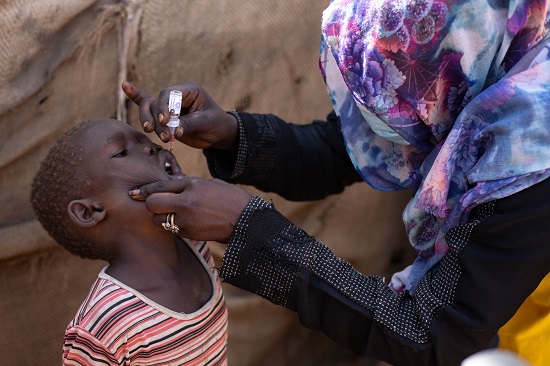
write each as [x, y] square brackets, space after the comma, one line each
[174, 107]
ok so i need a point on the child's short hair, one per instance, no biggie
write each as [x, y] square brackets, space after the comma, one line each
[60, 180]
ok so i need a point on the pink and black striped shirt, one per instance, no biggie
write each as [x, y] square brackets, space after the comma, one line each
[117, 325]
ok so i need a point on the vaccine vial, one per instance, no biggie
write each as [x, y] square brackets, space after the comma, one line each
[174, 107]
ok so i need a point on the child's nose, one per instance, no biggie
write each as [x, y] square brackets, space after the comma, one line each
[150, 150]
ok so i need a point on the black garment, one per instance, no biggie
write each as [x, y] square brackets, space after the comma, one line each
[298, 162]
[495, 260]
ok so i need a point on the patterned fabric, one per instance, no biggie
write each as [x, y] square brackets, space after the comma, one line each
[448, 97]
[116, 325]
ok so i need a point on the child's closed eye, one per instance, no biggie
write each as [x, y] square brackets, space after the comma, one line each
[121, 153]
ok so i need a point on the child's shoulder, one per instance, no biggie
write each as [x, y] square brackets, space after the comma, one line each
[103, 293]
[105, 299]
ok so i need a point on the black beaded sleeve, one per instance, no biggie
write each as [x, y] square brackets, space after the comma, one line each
[298, 162]
[271, 257]
[227, 166]
[494, 262]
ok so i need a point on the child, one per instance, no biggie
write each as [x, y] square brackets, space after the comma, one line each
[159, 300]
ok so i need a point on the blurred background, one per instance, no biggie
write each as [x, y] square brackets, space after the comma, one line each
[63, 61]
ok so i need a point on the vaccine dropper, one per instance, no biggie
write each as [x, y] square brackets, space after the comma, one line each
[174, 106]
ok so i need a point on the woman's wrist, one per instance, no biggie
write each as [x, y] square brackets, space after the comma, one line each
[230, 143]
[229, 164]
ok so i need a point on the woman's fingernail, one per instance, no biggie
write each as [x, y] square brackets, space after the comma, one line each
[162, 136]
[161, 117]
[146, 124]
[133, 192]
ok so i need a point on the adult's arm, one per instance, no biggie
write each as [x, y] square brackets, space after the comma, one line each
[495, 261]
[298, 162]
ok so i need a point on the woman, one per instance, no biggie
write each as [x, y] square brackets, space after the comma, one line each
[447, 98]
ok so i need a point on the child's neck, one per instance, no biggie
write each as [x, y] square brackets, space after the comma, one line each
[149, 255]
[168, 272]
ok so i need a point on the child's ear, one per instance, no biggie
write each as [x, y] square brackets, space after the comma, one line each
[85, 213]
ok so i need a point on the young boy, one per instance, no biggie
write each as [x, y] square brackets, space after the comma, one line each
[159, 300]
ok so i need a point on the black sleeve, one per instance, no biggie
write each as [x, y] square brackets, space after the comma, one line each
[298, 162]
[495, 261]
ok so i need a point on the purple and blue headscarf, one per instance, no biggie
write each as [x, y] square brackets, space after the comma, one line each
[448, 97]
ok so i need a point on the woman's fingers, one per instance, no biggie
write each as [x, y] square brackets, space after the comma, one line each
[135, 94]
[145, 104]
[203, 123]
[163, 186]
[145, 117]
[162, 106]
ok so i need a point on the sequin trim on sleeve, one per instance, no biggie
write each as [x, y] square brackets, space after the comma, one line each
[270, 268]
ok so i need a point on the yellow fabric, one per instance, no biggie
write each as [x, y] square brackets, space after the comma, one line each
[528, 332]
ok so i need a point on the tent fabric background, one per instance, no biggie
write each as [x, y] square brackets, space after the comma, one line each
[62, 61]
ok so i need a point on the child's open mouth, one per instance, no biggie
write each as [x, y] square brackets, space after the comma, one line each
[168, 168]
[171, 167]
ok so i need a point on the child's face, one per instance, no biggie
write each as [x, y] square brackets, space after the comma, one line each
[118, 158]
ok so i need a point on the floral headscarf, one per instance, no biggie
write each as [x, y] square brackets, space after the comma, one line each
[448, 97]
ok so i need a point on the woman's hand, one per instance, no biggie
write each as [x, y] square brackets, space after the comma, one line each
[203, 123]
[204, 209]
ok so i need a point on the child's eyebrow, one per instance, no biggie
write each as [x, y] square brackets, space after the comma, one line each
[117, 138]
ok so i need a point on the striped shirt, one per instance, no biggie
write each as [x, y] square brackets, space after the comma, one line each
[117, 325]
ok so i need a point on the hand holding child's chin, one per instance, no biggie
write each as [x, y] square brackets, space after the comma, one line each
[203, 209]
